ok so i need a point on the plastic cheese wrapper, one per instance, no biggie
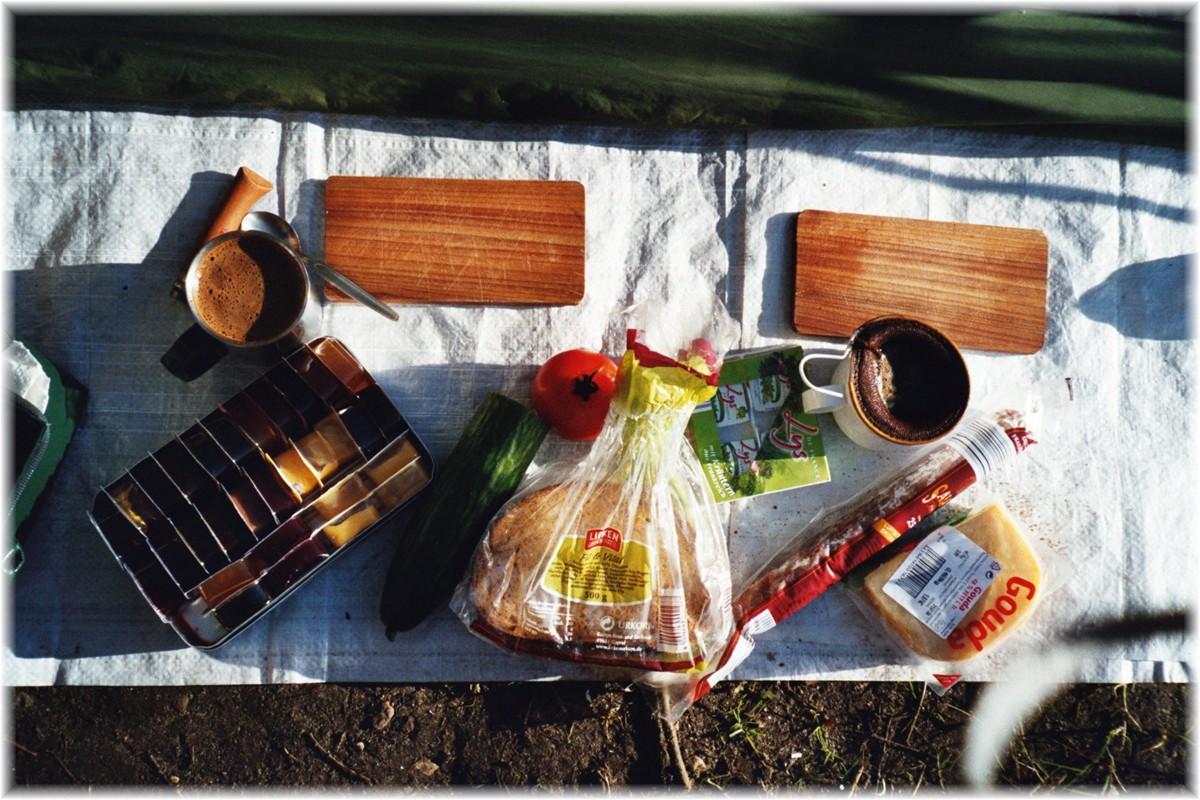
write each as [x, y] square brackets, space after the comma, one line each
[841, 538]
[956, 593]
[619, 559]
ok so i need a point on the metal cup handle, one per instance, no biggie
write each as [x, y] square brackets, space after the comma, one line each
[193, 354]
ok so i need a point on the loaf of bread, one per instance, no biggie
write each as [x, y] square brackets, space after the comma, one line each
[1001, 608]
[596, 573]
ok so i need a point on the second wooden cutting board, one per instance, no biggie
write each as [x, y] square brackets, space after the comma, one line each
[433, 240]
[983, 286]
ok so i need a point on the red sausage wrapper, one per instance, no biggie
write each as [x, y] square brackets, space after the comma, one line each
[845, 536]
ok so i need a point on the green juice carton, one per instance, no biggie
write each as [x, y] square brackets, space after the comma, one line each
[753, 436]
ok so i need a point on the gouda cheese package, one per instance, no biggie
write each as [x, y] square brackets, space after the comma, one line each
[960, 591]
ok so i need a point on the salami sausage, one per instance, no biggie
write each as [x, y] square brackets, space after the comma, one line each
[847, 535]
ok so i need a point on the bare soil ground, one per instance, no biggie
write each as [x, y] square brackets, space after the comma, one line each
[839, 736]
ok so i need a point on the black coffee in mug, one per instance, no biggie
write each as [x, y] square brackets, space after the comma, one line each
[908, 380]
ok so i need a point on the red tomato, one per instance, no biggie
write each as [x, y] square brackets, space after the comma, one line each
[571, 392]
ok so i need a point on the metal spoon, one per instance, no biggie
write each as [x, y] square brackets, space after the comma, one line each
[277, 226]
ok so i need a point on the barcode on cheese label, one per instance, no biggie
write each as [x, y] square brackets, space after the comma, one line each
[920, 573]
[942, 578]
[984, 445]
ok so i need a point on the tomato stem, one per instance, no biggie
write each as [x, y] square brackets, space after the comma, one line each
[585, 385]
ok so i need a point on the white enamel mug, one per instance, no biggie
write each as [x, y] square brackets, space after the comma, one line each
[897, 381]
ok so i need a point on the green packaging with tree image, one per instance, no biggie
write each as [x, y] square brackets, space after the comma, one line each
[753, 436]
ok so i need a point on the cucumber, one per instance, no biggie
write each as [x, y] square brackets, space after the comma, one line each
[481, 473]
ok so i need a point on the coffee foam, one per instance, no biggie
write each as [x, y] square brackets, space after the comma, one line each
[249, 289]
[908, 379]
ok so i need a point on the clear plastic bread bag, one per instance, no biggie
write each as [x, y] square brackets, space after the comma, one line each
[621, 558]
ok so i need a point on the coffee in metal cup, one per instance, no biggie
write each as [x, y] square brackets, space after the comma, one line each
[245, 289]
[898, 380]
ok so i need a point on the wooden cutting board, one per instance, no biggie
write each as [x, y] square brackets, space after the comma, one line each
[430, 240]
[981, 285]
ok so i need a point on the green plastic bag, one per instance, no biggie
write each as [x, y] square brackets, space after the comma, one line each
[40, 438]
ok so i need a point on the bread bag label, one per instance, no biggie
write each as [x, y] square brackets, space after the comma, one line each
[600, 568]
[942, 578]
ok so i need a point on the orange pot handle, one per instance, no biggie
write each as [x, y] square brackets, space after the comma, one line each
[248, 189]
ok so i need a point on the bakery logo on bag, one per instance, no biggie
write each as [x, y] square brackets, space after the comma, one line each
[1018, 593]
[608, 624]
[600, 570]
[603, 537]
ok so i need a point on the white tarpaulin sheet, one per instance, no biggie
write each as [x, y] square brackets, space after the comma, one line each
[105, 208]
